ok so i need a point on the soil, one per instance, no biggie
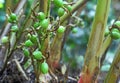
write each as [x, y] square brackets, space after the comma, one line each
[13, 75]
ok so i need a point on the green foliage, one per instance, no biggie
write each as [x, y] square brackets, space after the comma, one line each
[58, 3]
[36, 24]
[115, 34]
[14, 28]
[10, 20]
[107, 32]
[37, 55]
[44, 67]
[117, 23]
[26, 52]
[28, 43]
[44, 23]
[41, 16]
[4, 39]
[61, 12]
[61, 29]
[74, 30]
[69, 7]
[33, 38]
[1, 5]
[13, 16]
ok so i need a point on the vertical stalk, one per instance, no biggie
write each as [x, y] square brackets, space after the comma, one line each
[93, 54]
[114, 71]
[44, 7]
[8, 4]
[55, 55]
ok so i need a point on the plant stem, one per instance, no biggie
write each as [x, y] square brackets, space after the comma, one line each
[114, 71]
[105, 45]
[9, 54]
[74, 8]
[58, 39]
[92, 57]
[20, 6]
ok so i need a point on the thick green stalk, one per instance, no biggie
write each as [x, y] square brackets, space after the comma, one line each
[8, 5]
[46, 44]
[55, 54]
[114, 71]
[44, 7]
[105, 45]
[58, 39]
[98, 28]
[95, 44]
